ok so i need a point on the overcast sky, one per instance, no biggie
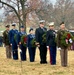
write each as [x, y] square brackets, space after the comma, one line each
[53, 1]
[1, 10]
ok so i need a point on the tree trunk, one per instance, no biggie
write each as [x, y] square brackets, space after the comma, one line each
[24, 15]
[24, 21]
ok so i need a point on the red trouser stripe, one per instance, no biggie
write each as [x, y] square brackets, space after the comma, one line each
[50, 57]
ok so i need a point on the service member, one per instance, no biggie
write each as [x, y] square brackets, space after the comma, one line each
[63, 49]
[6, 41]
[22, 43]
[31, 47]
[39, 39]
[51, 43]
[13, 41]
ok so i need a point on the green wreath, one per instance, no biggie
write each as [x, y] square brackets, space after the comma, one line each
[64, 37]
[24, 40]
[33, 42]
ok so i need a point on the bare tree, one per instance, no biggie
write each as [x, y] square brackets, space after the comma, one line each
[64, 11]
[31, 10]
[45, 11]
[21, 8]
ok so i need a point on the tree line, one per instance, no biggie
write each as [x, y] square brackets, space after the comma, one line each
[29, 12]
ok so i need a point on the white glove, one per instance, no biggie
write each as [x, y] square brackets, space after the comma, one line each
[47, 47]
[70, 40]
[59, 48]
[20, 51]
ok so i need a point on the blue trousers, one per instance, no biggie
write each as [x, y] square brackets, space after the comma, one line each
[23, 53]
[52, 55]
[15, 54]
[14, 50]
[32, 51]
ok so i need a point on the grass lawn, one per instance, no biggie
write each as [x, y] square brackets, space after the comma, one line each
[12, 67]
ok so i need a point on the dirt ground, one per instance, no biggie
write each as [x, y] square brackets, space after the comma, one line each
[16, 67]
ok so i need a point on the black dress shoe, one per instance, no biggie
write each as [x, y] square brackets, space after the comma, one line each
[43, 62]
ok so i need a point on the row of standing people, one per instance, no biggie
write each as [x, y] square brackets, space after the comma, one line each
[50, 44]
[12, 40]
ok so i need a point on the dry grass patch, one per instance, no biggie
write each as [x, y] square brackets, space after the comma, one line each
[13, 67]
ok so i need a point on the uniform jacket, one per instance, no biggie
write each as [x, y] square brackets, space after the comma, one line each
[59, 35]
[13, 39]
[6, 37]
[20, 34]
[39, 33]
[51, 35]
[30, 38]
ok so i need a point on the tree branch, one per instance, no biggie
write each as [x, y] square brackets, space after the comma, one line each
[12, 8]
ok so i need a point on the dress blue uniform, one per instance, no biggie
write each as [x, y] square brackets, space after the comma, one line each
[52, 46]
[31, 49]
[51, 43]
[13, 41]
[22, 47]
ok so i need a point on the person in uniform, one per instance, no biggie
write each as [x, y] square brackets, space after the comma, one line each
[6, 41]
[22, 43]
[51, 43]
[31, 48]
[63, 49]
[13, 41]
[39, 42]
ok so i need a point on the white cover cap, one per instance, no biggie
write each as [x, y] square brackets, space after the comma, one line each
[51, 24]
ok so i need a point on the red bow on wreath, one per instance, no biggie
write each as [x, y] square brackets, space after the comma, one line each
[25, 39]
[68, 36]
